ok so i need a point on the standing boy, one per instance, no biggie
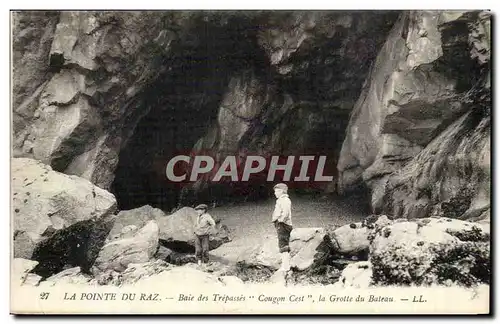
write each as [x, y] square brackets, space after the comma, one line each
[203, 226]
[282, 219]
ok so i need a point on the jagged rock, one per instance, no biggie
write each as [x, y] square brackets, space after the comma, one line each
[130, 221]
[85, 96]
[134, 273]
[163, 253]
[181, 258]
[426, 76]
[32, 279]
[117, 254]
[351, 238]
[309, 247]
[20, 275]
[179, 228]
[72, 276]
[382, 220]
[45, 201]
[450, 177]
[177, 276]
[263, 255]
[431, 251]
[58, 219]
[32, 33]
[355, 275]
[334, 40]
[23, 245]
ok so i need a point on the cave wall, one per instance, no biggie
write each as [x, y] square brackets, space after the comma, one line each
[100, 63]
[112, 96]
[419, 134]
[300, 102]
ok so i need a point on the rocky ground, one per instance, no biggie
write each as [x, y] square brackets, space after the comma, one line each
[332, 243]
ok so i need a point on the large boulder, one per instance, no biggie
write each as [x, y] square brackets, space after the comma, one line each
[130, 221]
[431, 251]
[57, 217]
[450, 177]
[432, 72]
[264, 255]
[141, 247]
[157, 273]
[351, 238]
[178, 229]
[308, 247]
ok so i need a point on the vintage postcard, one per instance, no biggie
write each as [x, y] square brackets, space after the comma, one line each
[250, 162]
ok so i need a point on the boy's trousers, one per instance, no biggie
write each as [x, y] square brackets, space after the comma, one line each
[283, 231]
[201, 247]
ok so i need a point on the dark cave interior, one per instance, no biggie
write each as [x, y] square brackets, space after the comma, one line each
[184, 101]
[183, 104]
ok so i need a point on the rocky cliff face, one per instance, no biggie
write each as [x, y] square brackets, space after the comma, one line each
[100, 61]
[397, 98]
[419, 135]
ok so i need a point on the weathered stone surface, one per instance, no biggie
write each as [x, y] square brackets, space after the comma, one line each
[132, 274]
[350, 238]
[96, 51]
[179, 227]
[265, 255]
[140, 248]
[20, 269]
[450, 177]
[428, 74]
[163, 253]
[181, 274]
[72, 276]
[355, 275]
[159, 272]
[431, 251]
[47, 203]
[128, 222]
[308, 247]
[32, 34]
[334, 39]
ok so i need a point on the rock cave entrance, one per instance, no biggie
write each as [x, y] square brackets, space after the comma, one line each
[182, 103]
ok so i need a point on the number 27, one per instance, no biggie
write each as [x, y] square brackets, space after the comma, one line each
[44, 295]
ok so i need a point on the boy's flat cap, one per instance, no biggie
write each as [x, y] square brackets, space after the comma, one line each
[281, 186]
[201, 206]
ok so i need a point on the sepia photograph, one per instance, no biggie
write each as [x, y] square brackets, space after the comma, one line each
[250, 161]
